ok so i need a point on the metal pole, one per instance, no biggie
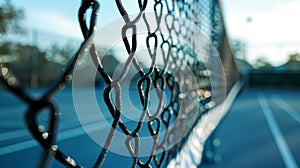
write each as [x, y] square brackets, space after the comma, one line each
[34, 60]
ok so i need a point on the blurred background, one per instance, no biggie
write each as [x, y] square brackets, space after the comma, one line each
[39, 36]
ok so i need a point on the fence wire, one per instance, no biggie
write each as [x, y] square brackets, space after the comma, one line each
[185, 104]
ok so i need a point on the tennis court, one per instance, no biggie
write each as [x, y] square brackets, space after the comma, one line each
[142, 85]
[260, 130]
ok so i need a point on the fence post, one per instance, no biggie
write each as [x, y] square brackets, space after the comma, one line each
[34, 60]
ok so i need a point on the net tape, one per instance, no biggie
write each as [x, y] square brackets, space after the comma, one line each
[176, 57]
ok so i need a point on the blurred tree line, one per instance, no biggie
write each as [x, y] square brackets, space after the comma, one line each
[37, 66]
[10, 18]
[33, 66]
[238, 48]
[292, 64]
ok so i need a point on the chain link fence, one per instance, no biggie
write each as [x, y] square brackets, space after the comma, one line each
[189, 71]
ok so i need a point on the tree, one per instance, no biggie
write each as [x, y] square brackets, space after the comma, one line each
[295, 57]
[60, 54]
[293, 62]
[263, 63]
[10, 18]
[10, 22]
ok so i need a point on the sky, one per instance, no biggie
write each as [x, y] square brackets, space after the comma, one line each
[272, 30]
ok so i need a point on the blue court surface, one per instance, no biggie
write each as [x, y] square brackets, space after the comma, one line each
[262, 129]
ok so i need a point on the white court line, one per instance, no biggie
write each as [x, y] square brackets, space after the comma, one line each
[287, 108]
[284, 150]
[64, 135]
[5, 136]
[20, 133]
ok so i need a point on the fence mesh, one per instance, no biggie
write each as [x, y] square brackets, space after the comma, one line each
[181, 79]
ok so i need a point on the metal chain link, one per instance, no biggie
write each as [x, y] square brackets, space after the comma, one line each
[176, 116]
